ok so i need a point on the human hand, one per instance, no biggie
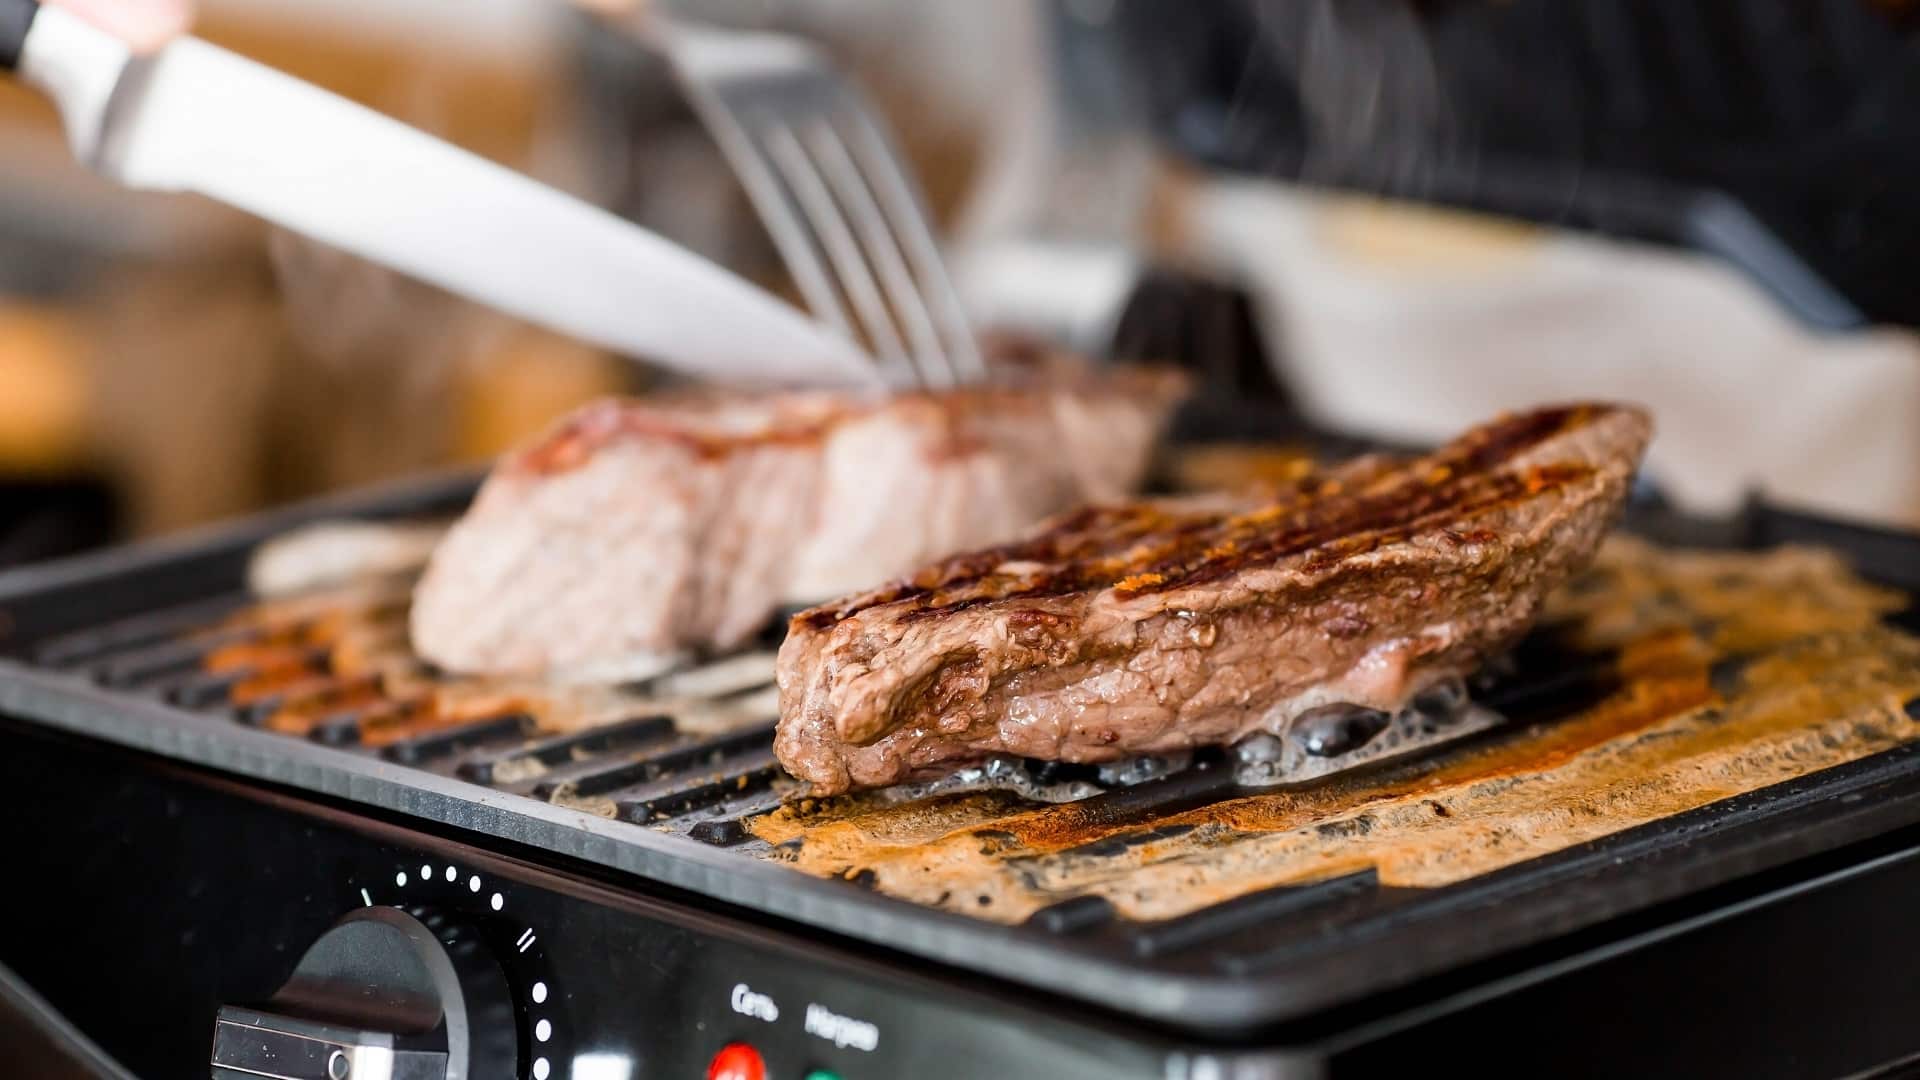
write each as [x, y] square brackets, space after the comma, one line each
[144, 24]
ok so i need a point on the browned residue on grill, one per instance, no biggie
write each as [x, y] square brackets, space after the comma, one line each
[1824, 684]
[315, 658]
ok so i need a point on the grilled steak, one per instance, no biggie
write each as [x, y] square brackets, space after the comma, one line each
[1158, 626]
[638, 530]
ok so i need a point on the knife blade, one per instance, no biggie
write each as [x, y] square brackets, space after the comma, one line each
[195, 117]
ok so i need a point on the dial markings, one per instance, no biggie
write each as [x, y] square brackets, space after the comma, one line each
[543, 1027]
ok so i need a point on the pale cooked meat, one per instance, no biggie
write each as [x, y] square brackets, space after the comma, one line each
[639, 531]
[1156, 627]
[627, 537]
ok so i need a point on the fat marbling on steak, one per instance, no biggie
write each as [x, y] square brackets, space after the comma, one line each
[1154, 627]
[638, 530]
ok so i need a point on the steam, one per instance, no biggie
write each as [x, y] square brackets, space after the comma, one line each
[1370, 91]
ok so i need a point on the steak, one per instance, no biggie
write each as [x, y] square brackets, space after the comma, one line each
[1159, 626]
[639, 530]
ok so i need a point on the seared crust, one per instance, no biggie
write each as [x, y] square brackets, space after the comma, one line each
[1149, 627]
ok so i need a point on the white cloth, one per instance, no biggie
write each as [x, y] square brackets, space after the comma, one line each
[1423, 339]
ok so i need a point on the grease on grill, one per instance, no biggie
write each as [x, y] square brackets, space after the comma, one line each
[1674, 679]
[1821, 681]
[1333, 730]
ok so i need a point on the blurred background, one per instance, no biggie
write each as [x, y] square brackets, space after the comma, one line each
[1390, 217]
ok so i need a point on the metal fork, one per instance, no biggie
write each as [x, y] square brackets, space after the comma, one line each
[829, 183]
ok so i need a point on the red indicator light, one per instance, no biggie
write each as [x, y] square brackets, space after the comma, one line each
[737, 1061]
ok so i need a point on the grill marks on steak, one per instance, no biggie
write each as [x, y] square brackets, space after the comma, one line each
[1155, 547]
[1157, 626]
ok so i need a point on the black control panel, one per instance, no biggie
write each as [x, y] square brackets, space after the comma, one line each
[152, 904]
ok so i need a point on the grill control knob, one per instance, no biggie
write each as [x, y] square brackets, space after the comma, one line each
[380, 996]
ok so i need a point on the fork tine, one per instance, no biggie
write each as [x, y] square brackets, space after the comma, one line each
[803, 177]
[900, 199]
[831, 188]
[853, 192]
[779, 212]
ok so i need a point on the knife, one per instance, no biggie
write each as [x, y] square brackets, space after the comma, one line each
[195, 117]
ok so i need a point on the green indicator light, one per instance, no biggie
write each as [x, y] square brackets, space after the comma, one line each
[822, 1074]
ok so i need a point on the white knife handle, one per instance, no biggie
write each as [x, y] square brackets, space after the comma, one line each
[68, 59]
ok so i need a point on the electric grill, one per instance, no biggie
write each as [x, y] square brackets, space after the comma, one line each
[197, 881]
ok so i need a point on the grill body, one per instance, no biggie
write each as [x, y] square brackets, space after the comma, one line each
[175, 858]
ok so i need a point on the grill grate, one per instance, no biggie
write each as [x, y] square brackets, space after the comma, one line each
[303, 668]
[331, 668]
